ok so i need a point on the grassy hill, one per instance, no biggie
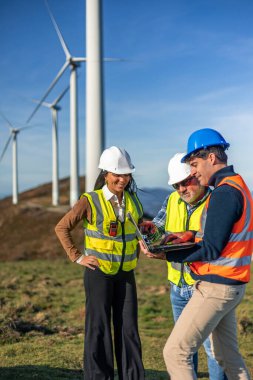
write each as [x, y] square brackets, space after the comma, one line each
[42, 315]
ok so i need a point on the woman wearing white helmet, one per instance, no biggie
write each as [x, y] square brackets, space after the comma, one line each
[111, 254]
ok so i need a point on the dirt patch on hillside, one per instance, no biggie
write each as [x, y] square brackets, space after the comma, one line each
[27, 229]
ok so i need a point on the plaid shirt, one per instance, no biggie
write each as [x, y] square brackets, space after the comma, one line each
[160, 220]
[184, 290]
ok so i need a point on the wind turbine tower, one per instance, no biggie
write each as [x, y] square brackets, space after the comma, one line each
[14, 133]
[13, 137]
[54, 107]
[94, 91]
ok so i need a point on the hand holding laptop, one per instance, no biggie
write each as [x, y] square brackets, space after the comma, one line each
[160, 256]
[147, 228]
[179, 237]
[160, 249]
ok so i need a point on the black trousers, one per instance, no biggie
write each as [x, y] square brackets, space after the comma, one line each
[111, 298]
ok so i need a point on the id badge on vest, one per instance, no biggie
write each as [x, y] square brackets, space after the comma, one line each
[113, 229]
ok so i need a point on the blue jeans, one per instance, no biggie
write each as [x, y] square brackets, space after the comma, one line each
[179, 298]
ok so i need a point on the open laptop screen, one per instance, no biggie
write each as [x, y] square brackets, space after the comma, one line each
[159, 248]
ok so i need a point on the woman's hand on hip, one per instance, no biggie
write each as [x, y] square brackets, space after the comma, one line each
[90, 262]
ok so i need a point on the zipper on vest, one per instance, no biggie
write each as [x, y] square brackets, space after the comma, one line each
[182, 264]
[124, 245]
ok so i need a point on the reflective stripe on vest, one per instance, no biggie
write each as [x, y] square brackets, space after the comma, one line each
[235, 259]
[112, 252]
[176, 220]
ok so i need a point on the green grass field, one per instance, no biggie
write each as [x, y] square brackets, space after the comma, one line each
[42, 318]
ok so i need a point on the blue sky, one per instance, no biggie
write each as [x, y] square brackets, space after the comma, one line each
[188, 65]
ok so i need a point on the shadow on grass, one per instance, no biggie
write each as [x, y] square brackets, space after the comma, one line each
[163, 375]
[48, 373]
[151, 374]
[203, 375]
[39, 372]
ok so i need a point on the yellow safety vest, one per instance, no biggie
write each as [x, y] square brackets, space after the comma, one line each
[113, 252]
[177, 220]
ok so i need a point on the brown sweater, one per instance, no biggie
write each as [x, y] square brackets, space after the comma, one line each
[81, 210]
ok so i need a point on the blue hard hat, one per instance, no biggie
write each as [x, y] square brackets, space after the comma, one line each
[203, 138]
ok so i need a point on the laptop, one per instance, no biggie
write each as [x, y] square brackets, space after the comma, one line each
[159, 248]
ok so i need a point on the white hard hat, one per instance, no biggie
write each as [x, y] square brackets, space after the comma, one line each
[177, 170]
[116, 160]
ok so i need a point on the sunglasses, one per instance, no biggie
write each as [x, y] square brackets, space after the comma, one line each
[184, 183]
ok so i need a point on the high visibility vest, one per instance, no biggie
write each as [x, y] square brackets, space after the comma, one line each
[235, 259]
[113, 252]
[177, 220]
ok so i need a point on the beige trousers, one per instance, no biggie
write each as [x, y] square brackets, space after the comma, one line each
[210, 311]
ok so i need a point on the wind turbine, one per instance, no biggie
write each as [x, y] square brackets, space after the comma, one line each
[95, 130]
[94, 91]
[13, 136]
[73, 64]
[54, 107]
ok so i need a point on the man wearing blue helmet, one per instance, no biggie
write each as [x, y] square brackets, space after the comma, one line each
[219, 262]
[181, 211]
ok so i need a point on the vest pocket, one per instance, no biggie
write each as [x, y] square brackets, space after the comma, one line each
[102, 245]
[103, 250]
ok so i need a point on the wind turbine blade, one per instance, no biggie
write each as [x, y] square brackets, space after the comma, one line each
[5, 119]
[60, 96]
[79, 59]
[64, 67]
[83, 59]
[115, 60]
[46, 104]
[6, 146]
[27, 127]
[63, 43]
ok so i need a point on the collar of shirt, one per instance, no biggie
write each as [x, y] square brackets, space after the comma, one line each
[227, 171]
[118, 208]
[191, 208]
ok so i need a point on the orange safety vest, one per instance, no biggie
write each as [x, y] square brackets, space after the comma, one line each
[235, 259]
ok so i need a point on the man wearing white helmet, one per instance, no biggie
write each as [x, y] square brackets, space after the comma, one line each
[181, 212]
[111, 254]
